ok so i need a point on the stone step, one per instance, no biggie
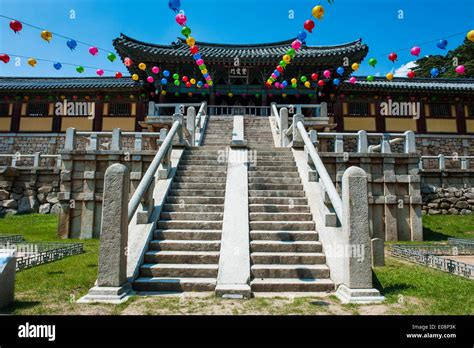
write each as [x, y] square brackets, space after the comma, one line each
[278, 200]
[292, 285]
[189, 224]
[272, 174]
[282, 225]
[290, 271]
[194, 200]
[276, 193]
[282, 158]
[160, 284]
[208, 208]
[203, 168]
[193, 179]
[212, 157]
[278, 208]
[198, 186]
[273, 168]
[186, 257]
[183, 234]
[213, 162]
[268, 180]
[277, 187]
[285, 246]
[284, 235]
[275, 163]
[200, 174]
[281, 216]
[185, 245]
[191, 216]
[179, 270]
[287, 258]
[202, 193]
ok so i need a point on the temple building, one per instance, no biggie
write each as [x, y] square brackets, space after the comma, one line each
[30, 105]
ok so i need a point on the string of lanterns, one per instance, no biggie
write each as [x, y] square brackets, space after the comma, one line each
[318, 13]
[181, 19]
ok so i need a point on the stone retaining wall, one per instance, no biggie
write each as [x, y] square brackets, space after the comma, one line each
[29, 190]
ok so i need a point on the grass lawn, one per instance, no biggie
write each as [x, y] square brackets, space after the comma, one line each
[409, 288]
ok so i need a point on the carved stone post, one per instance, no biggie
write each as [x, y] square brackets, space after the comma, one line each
[283, 126]
[297, 139]
[191, 124]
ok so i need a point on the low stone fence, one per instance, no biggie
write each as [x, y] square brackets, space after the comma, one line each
[29, 190]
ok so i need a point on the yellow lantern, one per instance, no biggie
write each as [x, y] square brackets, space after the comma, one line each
[163, 92]
[318, 12]
[210, 83]
[46, 35]
[355, 66]
[284, 95]
[32, 62]
[190, 41]
[135, 77]
[230, 94]
[389, 76]
[142, 66]
[470, 36]
[286, 58]
[293, 81]
[193, 81]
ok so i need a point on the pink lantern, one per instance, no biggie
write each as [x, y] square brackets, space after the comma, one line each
[352, 80]
[100, 72]
[93, 50]
[181, 19]
[460, 69]
[199, 62]
[150, 79]
[206, 85]
[296, 45]
[277, 84]
[127, 61]
[327, 74]
[208, 78]
[155, 70]
[274, 76]
[415, 51]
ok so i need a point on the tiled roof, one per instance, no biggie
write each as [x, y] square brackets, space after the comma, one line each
[416, 84]
[255, 54]
[65, 83]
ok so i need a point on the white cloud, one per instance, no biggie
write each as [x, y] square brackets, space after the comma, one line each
[403, 69]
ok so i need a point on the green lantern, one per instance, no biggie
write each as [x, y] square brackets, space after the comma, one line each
[186, 31]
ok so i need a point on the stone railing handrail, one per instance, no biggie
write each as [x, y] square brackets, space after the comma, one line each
[441, 160]
[321, 109]
[149, 176]
[153, 108]
[37, 156]
[321, 170]
[242, 110]
[274, 113]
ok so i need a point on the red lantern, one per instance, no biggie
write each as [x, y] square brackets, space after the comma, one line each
[314, 77]
[118, 75]
[411, 74]
[393, 57]
[194, 49]
[16, 26]
[280, 69]
[5, 58]
[185, 79]
[188, 84]
[321, 83]
[309, 25]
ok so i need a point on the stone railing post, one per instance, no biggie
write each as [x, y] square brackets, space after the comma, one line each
[410, 142]
[70, 142]
[283, 126]
[37, 159]
[112, 285]
[362, 143]
[138, 143]
[165, 165]
[385, 144]
[297, 139]
[339, 144]
[180, 132]
[151, 109]
[357, 285]
[116, 139]
[324, 109]
[464, 163]
[191, 124]
[441, 162]
[93, 142]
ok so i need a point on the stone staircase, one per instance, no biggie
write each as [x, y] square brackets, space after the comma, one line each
[286, 255]
[219, 131]
[184, 253]
[257, 132]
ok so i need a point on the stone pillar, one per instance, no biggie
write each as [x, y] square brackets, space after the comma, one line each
[7, 277]
[238, 133]
[297, 140]
[362, 143]
[356, 286]
[378, 252]
[112, 285]
[191, 124]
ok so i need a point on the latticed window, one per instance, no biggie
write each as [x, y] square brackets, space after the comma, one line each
[440, 110]
[38, 109]
[358, 109]
[4, 109]
[120, 109]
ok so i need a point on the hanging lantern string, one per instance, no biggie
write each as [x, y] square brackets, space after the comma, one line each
[56, 34]
[70, 64]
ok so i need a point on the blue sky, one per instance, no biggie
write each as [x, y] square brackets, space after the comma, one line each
[225, 21]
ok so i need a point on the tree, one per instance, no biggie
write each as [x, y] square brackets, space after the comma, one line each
[445, 64]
